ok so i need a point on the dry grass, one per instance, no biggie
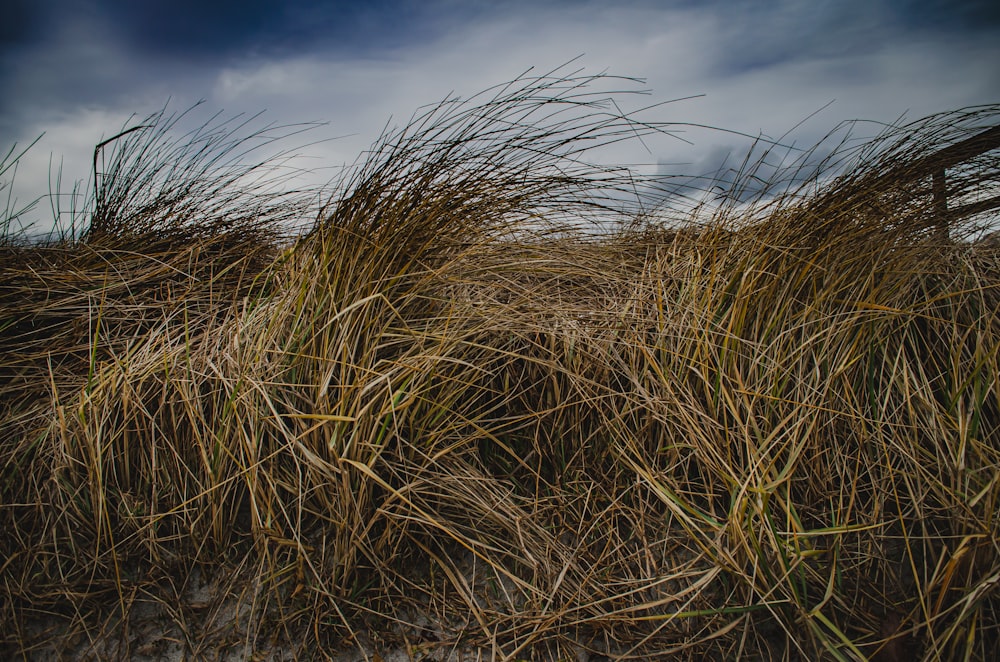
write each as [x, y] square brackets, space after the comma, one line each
[446, 414]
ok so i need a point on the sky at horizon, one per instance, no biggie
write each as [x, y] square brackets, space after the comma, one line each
[76, 71]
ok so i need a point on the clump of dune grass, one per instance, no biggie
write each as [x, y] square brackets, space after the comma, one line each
[463, 411]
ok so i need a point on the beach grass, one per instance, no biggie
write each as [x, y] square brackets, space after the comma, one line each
[484, 398]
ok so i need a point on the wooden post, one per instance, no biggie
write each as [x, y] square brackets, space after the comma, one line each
[935, 166]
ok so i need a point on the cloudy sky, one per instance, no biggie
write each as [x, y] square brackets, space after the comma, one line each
[76, 70]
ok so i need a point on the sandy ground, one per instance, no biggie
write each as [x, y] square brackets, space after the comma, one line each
[212, 620]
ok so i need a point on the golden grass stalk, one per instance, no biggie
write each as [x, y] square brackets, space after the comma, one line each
[445, 414]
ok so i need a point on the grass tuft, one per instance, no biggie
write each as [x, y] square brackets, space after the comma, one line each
[485, 400]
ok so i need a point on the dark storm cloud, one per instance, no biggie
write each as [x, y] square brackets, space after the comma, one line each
[215, 31]
[760, 35]
[963, 15]
[22, 21]
[56, 53]
[193, 29]
[190, 28]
